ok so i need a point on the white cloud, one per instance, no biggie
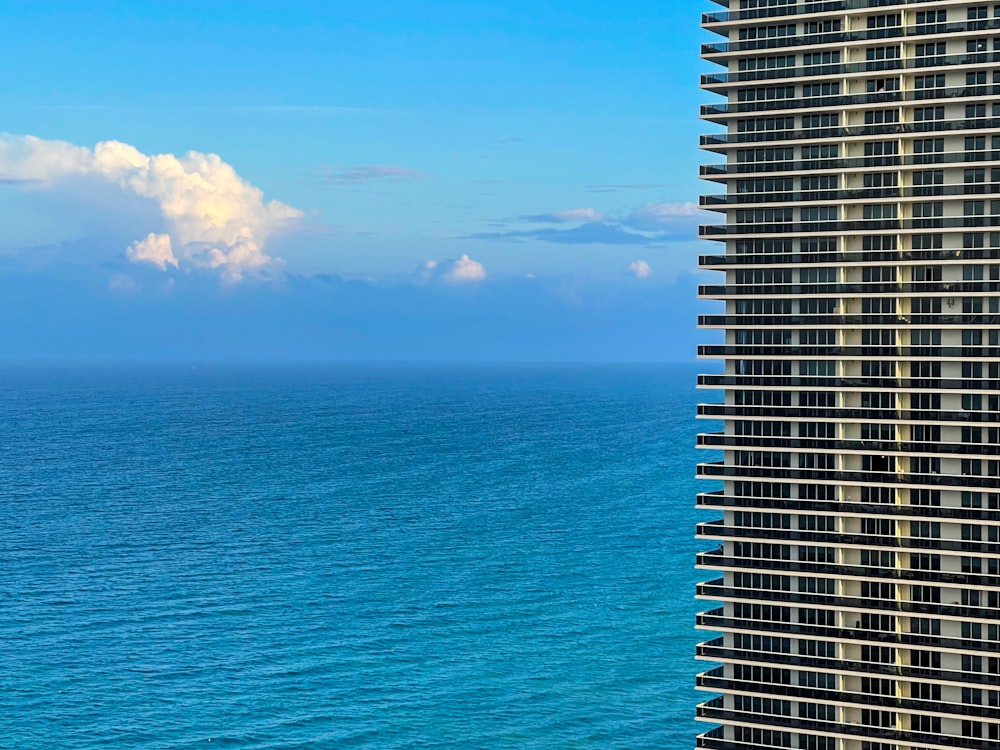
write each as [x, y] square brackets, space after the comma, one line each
[657, 216]
[640, 269]
[464, 270]
[461, 270]
[215, 219]
[154, 249]
[579, 214]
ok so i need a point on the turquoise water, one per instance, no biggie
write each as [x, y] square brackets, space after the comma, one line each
[350, 557]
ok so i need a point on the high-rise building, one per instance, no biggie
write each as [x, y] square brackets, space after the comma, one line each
[856, 591]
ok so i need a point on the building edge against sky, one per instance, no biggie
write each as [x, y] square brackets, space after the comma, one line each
[856, 595]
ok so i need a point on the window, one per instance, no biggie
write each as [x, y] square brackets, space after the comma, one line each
[820, 121]
[765, 124]
[882, 53]
[765, 93]
[767, 63]
[921, 114]
[827, 88]
[881, 116]
[767, 32]
[878, 85]
[929, 81]
[883, 21]
[925, 529]
[821, 58]
[821, 151]
[823, 27]
[929, 50]
[928, 150]
[932, 16]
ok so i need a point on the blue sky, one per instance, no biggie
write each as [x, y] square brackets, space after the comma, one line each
[394, 180]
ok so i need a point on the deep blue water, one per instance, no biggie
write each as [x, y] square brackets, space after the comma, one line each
[347, 557]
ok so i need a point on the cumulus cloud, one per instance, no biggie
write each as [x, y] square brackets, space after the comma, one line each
[464, 270]
[640, 269]
[154, 249]
[214, 218]
[461, 270]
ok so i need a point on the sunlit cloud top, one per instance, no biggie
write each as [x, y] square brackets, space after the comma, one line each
[214, 219]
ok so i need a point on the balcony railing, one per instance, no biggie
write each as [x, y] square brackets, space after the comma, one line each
[810, 726]
[881, 447]
[853, 289]
[857, 320]
[809, 7]
[720, 561]
[848, 257]
[896, 129]
[843, 37]
[849, 352]
[840, 101]
[713, 231]
[850, 603]
[834, 476]
[869, 66]
[736, 200]
[720, 500]
[718, 411]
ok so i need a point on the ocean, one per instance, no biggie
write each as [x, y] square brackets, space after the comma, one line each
[352, 556]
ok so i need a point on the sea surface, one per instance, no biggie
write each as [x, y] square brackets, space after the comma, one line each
[385, 557]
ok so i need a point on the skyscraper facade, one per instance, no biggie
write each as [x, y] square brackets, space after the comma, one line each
[856, 595]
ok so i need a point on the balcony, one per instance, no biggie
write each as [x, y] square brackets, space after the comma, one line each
[850, 603]
[850, 352]
[717, 681]
[952, 255]
[853, 289]
[721, 501]
[709, 80]
[725, 140]
[715, 231]
[720, 440]
[709, 19]
[858, 320]
[833, 476]
[730, 200]
[795, 724]
[721, 411]
[717, 560]
[715, 49]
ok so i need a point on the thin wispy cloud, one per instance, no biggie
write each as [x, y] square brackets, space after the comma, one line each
[296, 109]
[650, 225]
[502, 145]
[594, 233]
[611, 188]
[573, 216]
[368, 173]
[659, 216]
